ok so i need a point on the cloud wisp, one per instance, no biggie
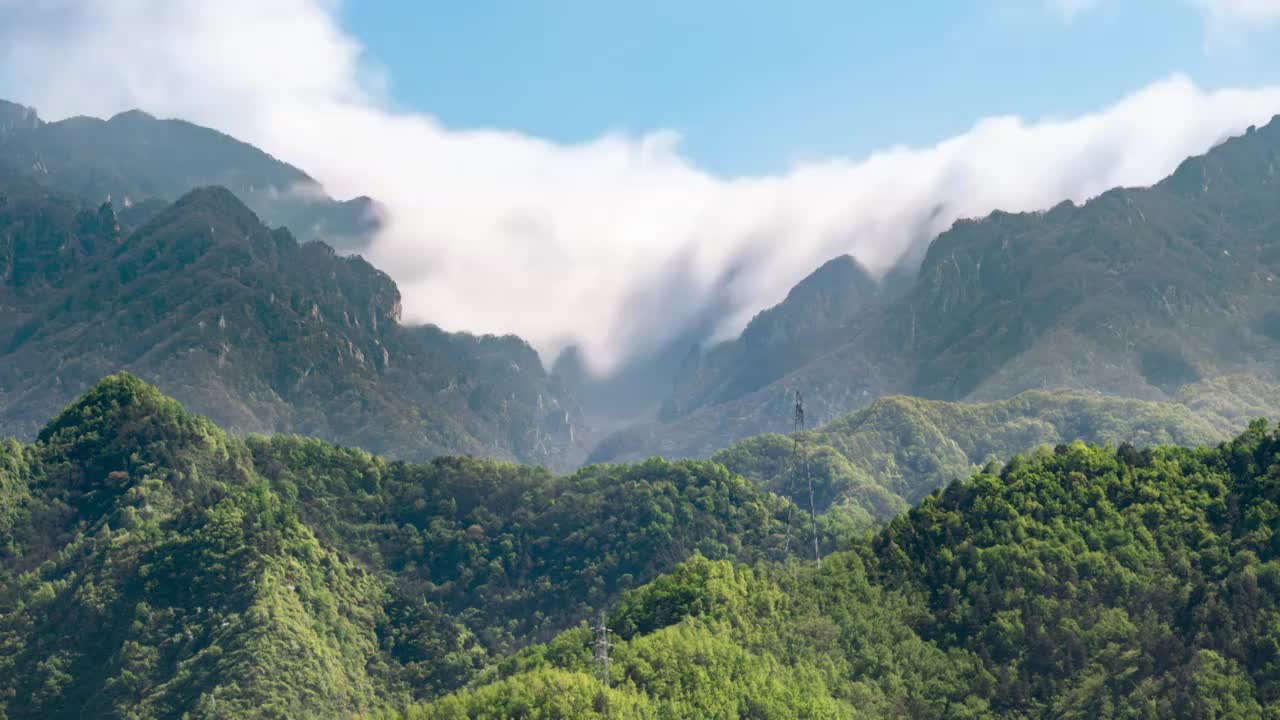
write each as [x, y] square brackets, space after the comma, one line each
[1069, 9]
[1218, 14]
[495, 231]
[1246, 11]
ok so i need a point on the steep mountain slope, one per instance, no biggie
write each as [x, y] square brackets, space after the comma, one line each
[1079, 583]
[133, 157]
[783, 338]
[153, 566]
[1141, 293]
[262, 334]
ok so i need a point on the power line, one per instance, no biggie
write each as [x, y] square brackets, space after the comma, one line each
[804, 458]
[791, 494]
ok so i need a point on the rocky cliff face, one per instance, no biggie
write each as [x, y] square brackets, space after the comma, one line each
[249, 327]
[1143, 293]
[17, 118]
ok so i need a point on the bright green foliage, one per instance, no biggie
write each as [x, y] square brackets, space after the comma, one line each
[153, 574]
[717, 639]
[546, 694]
[1077, 582]
[872, 465]
[1084, 575]
[510, 551]
[154, 566]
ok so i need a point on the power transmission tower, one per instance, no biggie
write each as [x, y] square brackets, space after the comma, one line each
[602, 646]
[804, 459]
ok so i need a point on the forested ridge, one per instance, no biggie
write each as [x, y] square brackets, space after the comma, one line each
[153, 566]
[870, 466]
[1081, 582]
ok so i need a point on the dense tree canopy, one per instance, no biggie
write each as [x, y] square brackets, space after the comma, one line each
[153, 566]
[1078, 582]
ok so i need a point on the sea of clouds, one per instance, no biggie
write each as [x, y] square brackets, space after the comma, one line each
[617, 245]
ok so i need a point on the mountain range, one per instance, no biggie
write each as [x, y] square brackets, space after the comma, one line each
[178, 310]
[1162, 294]
[1165, 293]
[259, 332]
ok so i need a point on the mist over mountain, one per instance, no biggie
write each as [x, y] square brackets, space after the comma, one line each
[134, 158]
[1163, 293]
[616, 241]
[260, 332]
[665, 360]
[997, 306]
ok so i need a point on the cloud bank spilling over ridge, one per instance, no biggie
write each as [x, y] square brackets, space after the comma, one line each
[617, 244]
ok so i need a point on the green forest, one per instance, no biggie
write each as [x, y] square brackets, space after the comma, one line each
[152, 566]
[239, 479]
[872, 465]
[1077, 582]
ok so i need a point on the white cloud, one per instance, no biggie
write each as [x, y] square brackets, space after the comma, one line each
[1069, 9]
[617, 243]
[1246, 11]
[1220, 14]
[1231, 23]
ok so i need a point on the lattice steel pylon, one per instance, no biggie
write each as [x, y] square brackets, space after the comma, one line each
[601, 644]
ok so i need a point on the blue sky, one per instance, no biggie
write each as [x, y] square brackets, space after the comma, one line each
[754, 86]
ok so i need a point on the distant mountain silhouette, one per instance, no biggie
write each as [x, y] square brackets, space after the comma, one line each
[134, 157]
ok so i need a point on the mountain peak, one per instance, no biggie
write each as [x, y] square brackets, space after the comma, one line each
[132, 116]
[138, 156]
[104, 411]
[210, 194]
[839, 273]
[1235, 162]
[123, 429]
[121, 392]
[215, 200]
